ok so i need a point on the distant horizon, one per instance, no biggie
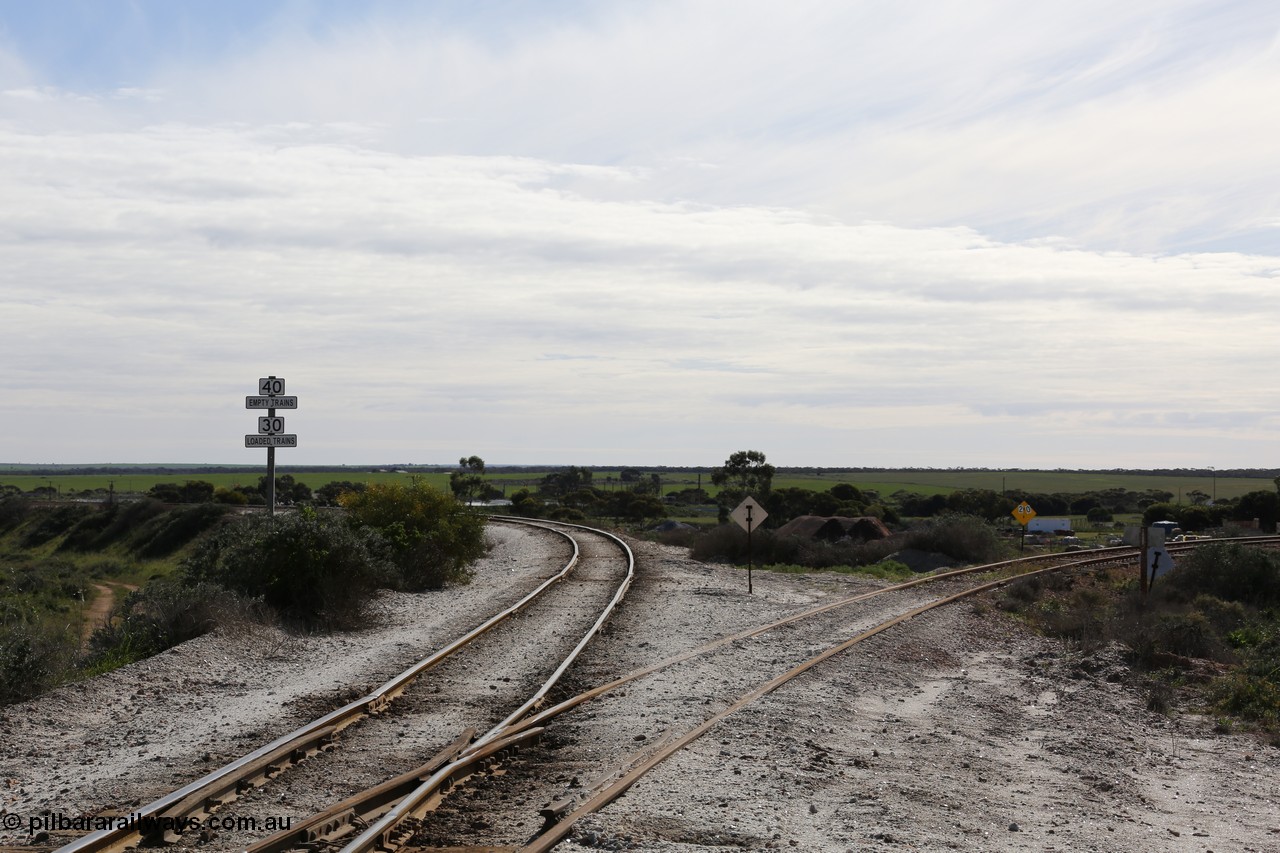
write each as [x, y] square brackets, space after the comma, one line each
[1156, 471]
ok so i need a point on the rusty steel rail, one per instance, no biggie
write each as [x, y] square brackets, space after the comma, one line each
[200, 797]
[386, 832]
[335, 820]
[385, 835]
[450, 767]
[562, 815]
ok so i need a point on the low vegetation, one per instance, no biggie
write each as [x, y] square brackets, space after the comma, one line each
[193, 567]
[1209, 630]
[312, 570]
[432, 538]
[963, 539]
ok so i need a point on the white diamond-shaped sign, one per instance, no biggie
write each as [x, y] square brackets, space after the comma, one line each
[749, 515]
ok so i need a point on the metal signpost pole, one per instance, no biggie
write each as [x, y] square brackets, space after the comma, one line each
[1142, 561]
[747, 515]
[1023, 513]
[271, 429]
[271, 479]
[271, 469]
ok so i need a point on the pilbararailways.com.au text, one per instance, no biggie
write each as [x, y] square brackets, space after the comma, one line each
[143, 824]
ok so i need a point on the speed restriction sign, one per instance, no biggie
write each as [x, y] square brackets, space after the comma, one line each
[272, 386]
[1024, 513]
[270, 426]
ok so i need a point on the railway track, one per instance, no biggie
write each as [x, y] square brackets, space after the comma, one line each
[575, 601]
[408, 823]
[396, 811]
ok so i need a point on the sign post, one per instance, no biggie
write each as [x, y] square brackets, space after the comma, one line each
[1155, 559]
[271, 432]
[1024, 513]
[749, 515]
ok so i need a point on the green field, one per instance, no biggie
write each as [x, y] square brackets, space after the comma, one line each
[1044, 482]
[925, 482]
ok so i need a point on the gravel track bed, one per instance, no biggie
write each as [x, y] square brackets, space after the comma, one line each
[955, 731]
[477, 687]
[125, 738]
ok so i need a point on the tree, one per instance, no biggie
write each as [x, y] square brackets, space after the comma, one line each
[1159, 512]
[527, 504]
[1198, 497]
[1195, 518]
[224, 495]
[650, 485]
[1261, 505]
[329, 493]
[983, 503]
[288, 490]
[1098, 515]
[564, 482]
[747, 472]
[1082, 505]
[846, 493]
[468, 481]
[190, 492]
[635, 506]
[689, 496]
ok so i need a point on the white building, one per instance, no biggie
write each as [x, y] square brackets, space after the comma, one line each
[1044, 524]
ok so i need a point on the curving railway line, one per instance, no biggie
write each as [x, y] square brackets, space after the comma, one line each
[549, 626]
[490, 737]
[840, 625]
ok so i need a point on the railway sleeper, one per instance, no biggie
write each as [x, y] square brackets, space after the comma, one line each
[203, 802]
[334, 827]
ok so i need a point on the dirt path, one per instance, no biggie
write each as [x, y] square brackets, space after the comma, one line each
[100, 608]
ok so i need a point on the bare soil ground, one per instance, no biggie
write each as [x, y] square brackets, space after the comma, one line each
[956, 731]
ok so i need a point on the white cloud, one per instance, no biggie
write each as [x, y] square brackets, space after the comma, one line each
[157, 267]
[844, 233]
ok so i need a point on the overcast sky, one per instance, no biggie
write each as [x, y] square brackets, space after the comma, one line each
[843, 233]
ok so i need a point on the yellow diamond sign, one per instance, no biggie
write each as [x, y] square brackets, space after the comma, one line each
[1024, 513]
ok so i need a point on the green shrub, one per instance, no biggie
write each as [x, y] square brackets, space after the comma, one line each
[966, 538]
[1253, 690]
[32, 659]
[1187, 634]
[1230, 572]
[315, 570]
[527, 504]
[13, 511]
[1225, 616]
[1249, 697]
[161, 615]
[728, 543]
[434, 538]
[1025, 590]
